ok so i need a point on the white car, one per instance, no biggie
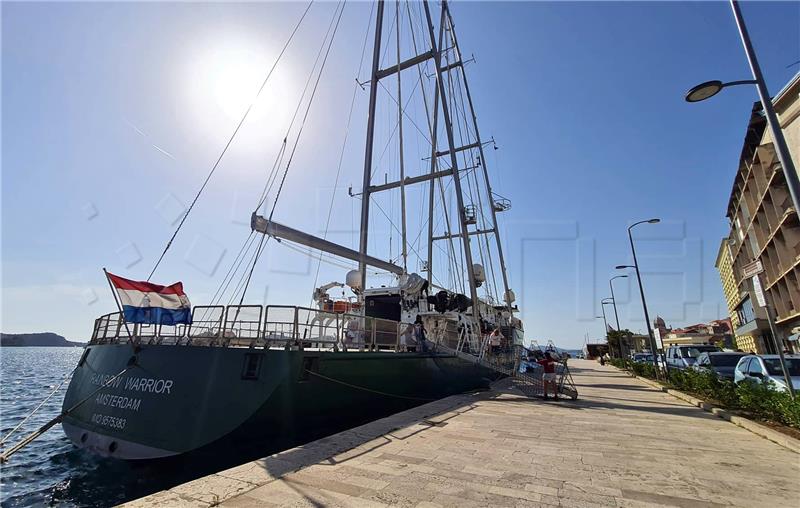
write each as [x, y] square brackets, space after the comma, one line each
[767, 369]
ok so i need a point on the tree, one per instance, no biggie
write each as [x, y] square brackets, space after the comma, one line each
[619, 342]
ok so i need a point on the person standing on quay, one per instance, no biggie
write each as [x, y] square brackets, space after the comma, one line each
[549, 376]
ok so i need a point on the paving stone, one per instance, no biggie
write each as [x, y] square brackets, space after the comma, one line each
[622, 444]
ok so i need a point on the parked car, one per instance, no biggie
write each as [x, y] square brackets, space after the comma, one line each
[647, 358]
[767, 369]
[683, 356]
[722, 363]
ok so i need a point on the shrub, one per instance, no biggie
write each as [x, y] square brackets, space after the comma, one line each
[758, 400]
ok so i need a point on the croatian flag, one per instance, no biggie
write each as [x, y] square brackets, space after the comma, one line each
[145, 302]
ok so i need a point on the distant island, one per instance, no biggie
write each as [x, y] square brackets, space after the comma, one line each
[36, 339]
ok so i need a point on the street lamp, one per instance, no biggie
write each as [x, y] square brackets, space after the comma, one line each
[603, 303]
[711, 88]
[616, 316]
[641, 288]
[603, 317]
[708, 89]
[613, 299]
[605, 320]
[605, 324]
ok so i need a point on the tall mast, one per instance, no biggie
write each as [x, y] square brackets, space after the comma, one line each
[452, 151]
[373, 95]
[404, 247]
[490, 195]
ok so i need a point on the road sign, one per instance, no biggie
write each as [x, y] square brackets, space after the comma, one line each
[751, 269]
[759, 291]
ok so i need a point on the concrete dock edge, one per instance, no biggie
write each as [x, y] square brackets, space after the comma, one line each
[218, 487]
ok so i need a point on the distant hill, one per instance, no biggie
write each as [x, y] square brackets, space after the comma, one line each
[36, 339]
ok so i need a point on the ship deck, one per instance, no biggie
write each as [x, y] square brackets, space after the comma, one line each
[623, 443]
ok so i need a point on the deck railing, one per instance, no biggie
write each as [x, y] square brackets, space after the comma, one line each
[260, 326]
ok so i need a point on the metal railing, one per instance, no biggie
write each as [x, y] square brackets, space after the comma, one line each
[263, 326]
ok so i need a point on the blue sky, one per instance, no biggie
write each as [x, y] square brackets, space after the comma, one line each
[112, 115]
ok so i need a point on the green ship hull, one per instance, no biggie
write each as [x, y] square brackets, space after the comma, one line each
[173, 400]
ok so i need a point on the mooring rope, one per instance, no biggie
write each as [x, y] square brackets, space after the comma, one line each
[44, 428]
[36, 409]
[317, 374]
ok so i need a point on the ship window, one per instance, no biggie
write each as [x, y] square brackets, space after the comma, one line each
[252, 366]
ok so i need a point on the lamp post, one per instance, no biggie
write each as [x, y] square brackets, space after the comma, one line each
[605, 324]
[605, 320]
[613, 299]
[603, 303]
[641, 289]
[708, 89]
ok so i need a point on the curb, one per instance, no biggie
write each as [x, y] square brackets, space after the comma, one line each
[776, 437]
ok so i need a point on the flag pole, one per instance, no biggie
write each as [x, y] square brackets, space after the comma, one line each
[119, 306]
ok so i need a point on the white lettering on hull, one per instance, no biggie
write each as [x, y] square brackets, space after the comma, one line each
[134, 384]
[118, 401]
[141, 384]
[109, 421]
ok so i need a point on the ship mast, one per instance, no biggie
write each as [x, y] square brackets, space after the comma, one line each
[437, 47]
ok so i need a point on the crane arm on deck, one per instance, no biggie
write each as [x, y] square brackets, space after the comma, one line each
[279, 231]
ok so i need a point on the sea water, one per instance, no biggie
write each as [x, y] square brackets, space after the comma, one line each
[50, 470]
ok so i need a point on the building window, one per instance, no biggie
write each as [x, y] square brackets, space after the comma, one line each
[739, 229]
[745, 312]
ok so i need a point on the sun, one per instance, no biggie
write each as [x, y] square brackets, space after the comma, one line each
[224, 80]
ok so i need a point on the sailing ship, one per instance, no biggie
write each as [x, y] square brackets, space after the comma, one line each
[284, 373]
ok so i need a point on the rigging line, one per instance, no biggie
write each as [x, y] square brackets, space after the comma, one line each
[394, 226]
[272, 177]
[238, 265]
[229, 276]
[308, 110]
[230, 140]
[242, 249]
[344, 142]
[406, 106]
[492, 286]
[242, 277]
[244, 254]
[276, 165]
[331, 260]
[260, 248]
[343, 4]
[394, 130]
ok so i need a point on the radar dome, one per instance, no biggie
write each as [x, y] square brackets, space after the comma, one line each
[478, 272]
[353, 280]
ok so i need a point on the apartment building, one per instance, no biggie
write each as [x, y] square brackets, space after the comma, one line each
[765, 234]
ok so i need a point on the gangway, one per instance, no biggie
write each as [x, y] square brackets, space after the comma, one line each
[519, 363]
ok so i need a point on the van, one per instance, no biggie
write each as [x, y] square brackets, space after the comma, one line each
[683, 356]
